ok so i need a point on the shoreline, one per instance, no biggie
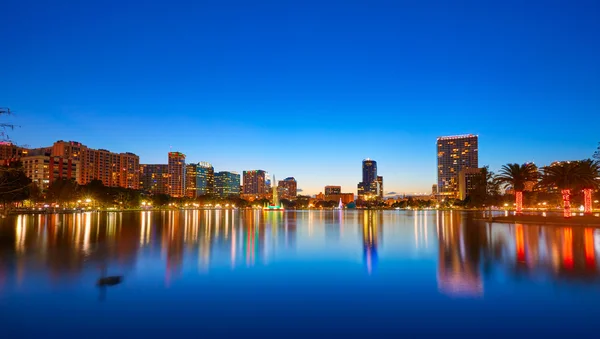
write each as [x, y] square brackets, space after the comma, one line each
[586, 220]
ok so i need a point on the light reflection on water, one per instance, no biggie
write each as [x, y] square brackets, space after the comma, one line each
[372, 260]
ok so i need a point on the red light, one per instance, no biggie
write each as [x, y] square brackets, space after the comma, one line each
[566, 195]
[590, 251]
[568, 248]
[587, 205]
[520, 239]
[519, 201]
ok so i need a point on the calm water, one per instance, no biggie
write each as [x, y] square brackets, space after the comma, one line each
[282, 274]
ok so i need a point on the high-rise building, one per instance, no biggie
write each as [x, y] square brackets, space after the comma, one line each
[434, 189]
[380, 186]
[227, 183]
[288, 188]
[154, 178]
[255, 182]
[43, 170]
[369, 171]
[190, 181]
[130, 170]
[330, 190]
[455, 153]
[205, 180]
[369, 187]
[113, 169]
[176, 174]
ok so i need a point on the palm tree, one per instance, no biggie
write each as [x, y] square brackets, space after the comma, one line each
[589, 179]
[516, 176]
[565, 176]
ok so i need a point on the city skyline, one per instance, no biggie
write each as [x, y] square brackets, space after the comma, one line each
[283, 87]
[268, 174]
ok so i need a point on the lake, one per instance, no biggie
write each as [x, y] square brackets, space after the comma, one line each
[208, 273]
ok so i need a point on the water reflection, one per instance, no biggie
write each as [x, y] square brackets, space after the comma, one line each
[468, 254]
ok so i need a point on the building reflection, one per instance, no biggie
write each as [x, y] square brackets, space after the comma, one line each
[459, 256]
[69, 245]
[66, 247]
[469, 250]
[372, 235]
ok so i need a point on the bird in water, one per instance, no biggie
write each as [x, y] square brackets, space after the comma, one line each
[109, 280]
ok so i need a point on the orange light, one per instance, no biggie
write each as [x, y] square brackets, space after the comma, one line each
[519, 201]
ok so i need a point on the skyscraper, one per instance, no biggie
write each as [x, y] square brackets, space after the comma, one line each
[154, 178]
[190, 181]
[380, 186]
[227, 183]
[255, 182]
[205, 181]
[455, 153]
[176, 174]
[288, 188]
[369, 187]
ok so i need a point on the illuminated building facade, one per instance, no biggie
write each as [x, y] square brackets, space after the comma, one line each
[346, 198]
[288, 188]
[227, 184]
[205, 179]
[154, 178]
[330, 190]
[113, 169]
[9, 152]
[176, 170]
[455, 153]
[190, 181]
[369, 187]
[43, 170]
[255, 182]
[380, 186]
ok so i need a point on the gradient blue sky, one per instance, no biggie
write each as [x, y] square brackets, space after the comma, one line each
[306, 88]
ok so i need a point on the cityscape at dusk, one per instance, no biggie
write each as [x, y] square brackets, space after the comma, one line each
[310, 169]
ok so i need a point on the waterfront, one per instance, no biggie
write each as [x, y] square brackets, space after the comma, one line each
[228, 272]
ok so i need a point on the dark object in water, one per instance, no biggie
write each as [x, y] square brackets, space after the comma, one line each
[110, 281]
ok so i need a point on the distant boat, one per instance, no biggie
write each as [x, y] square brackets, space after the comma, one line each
[110, 280]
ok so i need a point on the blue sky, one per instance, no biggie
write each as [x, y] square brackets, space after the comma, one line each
[306, 88]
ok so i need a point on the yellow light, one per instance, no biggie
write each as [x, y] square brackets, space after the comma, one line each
[88, 200]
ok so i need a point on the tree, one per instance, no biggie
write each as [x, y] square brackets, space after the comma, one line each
[14, 183]
[161, 199]
[597, 153]
[4, 126]
[486, 189]
[516, 176]
[589, 174]
[565, 176]
[63, 190]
